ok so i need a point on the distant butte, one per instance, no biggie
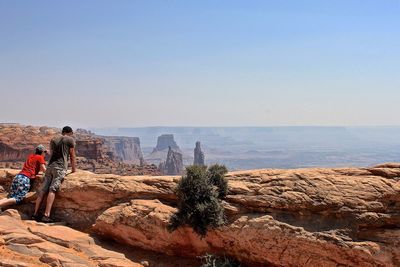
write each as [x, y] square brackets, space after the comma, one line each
[164, 142]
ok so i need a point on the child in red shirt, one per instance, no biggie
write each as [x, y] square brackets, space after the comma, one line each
[22, 181]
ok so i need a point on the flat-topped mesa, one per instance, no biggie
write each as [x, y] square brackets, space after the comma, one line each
[173, 165]
[164, 142]
[198, 155]
[299, 217]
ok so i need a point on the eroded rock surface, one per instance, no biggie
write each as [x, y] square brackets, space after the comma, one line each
[300, 217]
[27, 243]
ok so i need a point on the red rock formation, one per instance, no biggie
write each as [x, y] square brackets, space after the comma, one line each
[17, 142]
[53, 245]
[96, 153]
[27, 243]
[302, 217]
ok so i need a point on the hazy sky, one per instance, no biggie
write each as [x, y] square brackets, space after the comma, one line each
[200, 63]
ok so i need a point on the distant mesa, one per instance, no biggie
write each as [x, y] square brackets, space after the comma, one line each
[164, 142]
[198, 155]
[173, 165]
[166, 152]
[126, 149]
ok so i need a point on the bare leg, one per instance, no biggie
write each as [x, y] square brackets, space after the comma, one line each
[7, 202]
[38, 203]
[50, 200]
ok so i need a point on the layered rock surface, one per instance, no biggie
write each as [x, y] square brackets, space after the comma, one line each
[27, 243]
[100, 154]
[301, 217]
[127, 149]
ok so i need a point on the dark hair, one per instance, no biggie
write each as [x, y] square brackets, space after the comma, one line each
[67, 129]
[38, 151]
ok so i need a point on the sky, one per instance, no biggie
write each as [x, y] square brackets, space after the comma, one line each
[200, 63]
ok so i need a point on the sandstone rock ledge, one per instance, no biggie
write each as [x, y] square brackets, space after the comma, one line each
[301, 217]
[27, 243]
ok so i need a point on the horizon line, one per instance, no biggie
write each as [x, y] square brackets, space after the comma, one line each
[220, 126]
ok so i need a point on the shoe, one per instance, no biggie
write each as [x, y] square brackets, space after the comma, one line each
[46, 219]
[35, 218]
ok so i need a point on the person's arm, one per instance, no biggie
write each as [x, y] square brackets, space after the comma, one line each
[40, 165]
[51, 147]
[43, 168]
[72, 157]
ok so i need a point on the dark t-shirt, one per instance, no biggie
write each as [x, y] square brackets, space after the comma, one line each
[60, 146]
[32, 165]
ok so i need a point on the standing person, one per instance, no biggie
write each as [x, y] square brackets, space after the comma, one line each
[62, 147]
[22, 181]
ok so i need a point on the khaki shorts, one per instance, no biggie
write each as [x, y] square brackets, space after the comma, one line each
[53, 179]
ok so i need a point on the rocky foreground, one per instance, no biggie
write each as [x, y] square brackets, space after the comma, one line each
[27, 243]
[301, 217]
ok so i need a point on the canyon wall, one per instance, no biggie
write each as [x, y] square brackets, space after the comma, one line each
[127, 149]
[100, 154]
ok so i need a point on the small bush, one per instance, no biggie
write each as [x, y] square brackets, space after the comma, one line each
[216, 174]
[215, 261]
[199, 205]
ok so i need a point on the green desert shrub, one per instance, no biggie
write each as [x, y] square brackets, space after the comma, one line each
[216, 174]
[210, 260]
[199, 203]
